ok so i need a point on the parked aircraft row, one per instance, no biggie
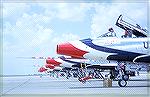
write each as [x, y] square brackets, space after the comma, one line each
[85, 59]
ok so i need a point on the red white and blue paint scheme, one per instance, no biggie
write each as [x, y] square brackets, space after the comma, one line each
[61, 63]
[110, 47]
[130, 49]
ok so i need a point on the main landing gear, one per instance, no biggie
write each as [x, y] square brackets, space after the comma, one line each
[122, 83]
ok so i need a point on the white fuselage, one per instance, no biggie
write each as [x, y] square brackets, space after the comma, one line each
[107, 48]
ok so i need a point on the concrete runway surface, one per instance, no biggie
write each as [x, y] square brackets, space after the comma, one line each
[139, 85]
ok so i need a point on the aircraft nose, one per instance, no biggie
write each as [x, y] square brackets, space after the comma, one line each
[42, 69]
[70, 50]
[53, 62]
[50, 66]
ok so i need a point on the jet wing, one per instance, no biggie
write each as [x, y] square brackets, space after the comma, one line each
[130, 58]
[103, 66]
[143, 58]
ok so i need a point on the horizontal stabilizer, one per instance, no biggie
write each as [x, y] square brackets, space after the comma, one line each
[33, 57]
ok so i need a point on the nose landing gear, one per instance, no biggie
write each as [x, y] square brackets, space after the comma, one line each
[122, 83]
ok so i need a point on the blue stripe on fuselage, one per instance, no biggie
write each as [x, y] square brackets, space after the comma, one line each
[117, 52]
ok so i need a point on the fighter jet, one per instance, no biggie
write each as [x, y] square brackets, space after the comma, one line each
[132, 48]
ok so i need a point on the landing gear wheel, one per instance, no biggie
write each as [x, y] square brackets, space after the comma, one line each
[122, 83]
[75, 75]
[83, 81]
[125, 77]
[67, 77]
[96, 76]
[112, 77]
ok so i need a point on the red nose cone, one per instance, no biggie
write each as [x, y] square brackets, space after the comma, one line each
[53, 62]
[69, 50]
[42, 69]
[50, 66]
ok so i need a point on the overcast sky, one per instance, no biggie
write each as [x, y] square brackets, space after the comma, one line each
[34, 29]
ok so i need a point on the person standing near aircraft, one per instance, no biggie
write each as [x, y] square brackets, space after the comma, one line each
[111, 30]
[127, 34]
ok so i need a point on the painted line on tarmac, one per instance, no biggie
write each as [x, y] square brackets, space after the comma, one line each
[16, 87]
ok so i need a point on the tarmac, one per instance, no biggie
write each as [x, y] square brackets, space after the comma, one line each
[139, 85]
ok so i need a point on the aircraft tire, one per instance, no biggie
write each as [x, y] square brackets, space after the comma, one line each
[125, 77]
[96, 76]
[122, 83]
[112, 77]
[75, 75]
